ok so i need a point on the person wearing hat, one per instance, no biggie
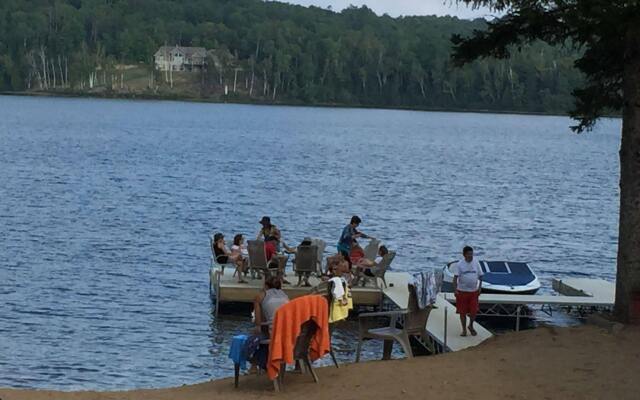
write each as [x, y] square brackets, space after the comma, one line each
[271, 236]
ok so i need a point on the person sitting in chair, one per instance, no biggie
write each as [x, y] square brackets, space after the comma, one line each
[265, 306]
[224, 256]
[365, 263]
[356, 255]
[294, 250]
[366, 266]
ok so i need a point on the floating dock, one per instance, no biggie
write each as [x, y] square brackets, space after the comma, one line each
[444, 324]
[227, 289]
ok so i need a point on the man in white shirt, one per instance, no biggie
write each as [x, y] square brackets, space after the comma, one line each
[467, 282]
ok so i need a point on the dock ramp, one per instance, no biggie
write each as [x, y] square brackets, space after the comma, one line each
[443, 327]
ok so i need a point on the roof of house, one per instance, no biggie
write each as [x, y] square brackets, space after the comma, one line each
[186, 51]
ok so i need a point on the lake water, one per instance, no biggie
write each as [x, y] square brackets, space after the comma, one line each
[106, 208]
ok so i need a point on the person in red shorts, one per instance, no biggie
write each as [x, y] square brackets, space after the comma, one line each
[467, 283]
[271, 236]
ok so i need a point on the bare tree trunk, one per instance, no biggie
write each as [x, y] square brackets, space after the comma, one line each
[264, 88]
[627, 307]
[43, 59]
[31, 58]
[47, 78]
[61, 73]
[166, 64]
[252, 79]
[66, 70]
[422, 88]
[122, 80]
[235, 79]
[53, 72]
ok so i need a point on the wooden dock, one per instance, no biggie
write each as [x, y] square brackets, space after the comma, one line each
[443, 324]
[227, 289]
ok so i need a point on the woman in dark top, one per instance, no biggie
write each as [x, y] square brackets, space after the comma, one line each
[224, 256]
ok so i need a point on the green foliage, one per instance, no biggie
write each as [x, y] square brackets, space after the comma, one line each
[292, 53]
[599, 28]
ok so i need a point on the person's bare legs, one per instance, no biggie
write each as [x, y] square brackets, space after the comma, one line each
[463, 320]
[472, 319]
[239, 261]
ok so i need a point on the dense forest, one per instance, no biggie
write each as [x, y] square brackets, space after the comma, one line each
[271, 51]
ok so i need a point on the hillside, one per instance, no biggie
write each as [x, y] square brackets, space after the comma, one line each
[269, 52]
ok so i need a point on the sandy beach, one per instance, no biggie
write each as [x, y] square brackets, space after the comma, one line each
[584, 362]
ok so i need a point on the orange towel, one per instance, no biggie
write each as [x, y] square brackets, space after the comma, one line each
[286, 328]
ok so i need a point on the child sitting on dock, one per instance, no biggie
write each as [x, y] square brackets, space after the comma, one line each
[224, 256]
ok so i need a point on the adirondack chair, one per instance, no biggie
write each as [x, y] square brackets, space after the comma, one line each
[371, 249]
[305, 263]
[322, 245]
[413, 321]
[378, 271]
[257, 258]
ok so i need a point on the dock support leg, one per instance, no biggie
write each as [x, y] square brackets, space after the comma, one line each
[217, 283]
[386, 349]
[518, 318]
[444, 348]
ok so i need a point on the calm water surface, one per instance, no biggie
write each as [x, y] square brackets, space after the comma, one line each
[106, 207]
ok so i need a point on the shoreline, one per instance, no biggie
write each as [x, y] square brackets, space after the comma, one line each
[542, 363]
[188, 99]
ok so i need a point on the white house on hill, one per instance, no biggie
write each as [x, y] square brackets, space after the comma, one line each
[180, 58]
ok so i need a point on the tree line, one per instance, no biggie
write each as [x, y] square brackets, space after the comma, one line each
[278, 52]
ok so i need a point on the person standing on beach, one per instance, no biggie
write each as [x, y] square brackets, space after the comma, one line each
[349, 233]
[467, 283]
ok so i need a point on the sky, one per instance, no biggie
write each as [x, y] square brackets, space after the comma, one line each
[403, 7]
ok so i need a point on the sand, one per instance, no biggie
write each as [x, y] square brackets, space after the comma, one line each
[585, 362]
